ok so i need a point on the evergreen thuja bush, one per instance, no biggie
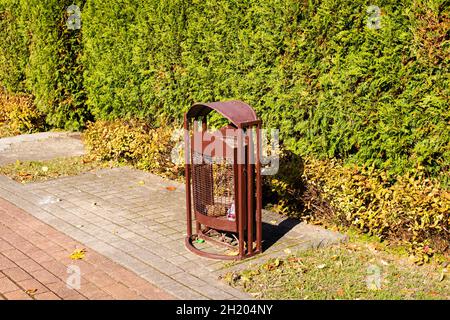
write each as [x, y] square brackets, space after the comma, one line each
[111, 76]
[55, 72]
[335, 87]
[40, 56]
[13, 45]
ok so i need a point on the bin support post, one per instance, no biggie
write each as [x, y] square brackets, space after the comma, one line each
[258, 190]
[250, 191]
[241, 191]
[187, 172]
[198, 227]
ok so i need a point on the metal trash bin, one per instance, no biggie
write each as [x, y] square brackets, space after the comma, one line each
[223, 179]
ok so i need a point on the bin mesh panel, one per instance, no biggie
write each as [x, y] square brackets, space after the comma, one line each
[213, 185]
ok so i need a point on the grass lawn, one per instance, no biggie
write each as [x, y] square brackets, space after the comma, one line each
[356, 270]
[35, 171]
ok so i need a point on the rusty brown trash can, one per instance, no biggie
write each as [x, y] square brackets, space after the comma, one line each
[223, 180]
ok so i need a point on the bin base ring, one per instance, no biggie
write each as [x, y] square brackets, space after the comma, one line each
[189, 245]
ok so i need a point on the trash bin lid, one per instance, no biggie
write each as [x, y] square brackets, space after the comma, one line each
[236, 111]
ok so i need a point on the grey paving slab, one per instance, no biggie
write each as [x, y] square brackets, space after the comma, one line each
[40, 146]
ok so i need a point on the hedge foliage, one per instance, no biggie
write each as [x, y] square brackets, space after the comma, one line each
[13, 45]
[48, 59]
[334, 87]
[19, 115]
[133, 142]
[56, 72]
[412, 210]
[314, 69]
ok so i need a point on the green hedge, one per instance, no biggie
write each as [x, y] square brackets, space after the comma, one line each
[132, 58]
[49, 55]
[334, 87]
[13, 45]
[55, 73]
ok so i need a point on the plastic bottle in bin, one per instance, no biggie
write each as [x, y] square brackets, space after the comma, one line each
[231, 214]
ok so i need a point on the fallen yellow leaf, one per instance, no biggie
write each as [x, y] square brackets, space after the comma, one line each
[24, 174]
[232, 253]
[277, 262]
[31, 291]
[78, 254]
[171, 188]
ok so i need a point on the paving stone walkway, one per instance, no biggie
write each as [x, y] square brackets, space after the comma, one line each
[34, 265]
[40, 146]
[132, 218]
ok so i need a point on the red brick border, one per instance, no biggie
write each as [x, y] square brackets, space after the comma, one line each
[34, 260]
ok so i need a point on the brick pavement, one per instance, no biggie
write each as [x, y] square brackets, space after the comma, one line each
[34, 262]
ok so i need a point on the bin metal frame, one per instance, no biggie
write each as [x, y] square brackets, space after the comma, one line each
[247, 179]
